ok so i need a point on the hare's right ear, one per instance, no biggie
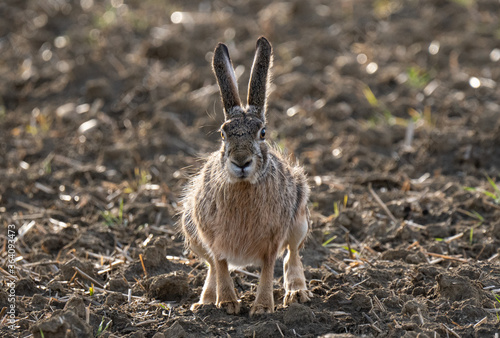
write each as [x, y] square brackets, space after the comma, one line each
[226, 79]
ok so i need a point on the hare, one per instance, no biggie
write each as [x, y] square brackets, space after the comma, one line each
[248, 203]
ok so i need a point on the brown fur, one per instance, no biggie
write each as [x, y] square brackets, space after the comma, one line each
[248, 203]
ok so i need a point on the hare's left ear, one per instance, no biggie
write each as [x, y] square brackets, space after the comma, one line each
[259, 78]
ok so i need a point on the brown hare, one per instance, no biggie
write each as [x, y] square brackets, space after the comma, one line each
[248, 203]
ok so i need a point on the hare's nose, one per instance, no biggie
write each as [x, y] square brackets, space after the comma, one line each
[242, 165]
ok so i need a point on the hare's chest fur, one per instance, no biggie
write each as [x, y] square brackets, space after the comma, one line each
[243, 222]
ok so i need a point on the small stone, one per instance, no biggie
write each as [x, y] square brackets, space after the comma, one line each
[361, 302]
[55, 286]
[154, 257]
[115, 298]
[344, 220]
[38, 301]
[76, 305]
[411, 308]
[26, 287]
[117, 284]
[415, 258]
[175, 331]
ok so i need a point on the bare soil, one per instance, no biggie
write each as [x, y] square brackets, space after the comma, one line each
[393, 108]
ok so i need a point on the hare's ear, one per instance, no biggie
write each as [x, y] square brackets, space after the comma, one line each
[226, 79]
[259, 78]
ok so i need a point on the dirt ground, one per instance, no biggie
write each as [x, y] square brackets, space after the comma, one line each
[392, 107]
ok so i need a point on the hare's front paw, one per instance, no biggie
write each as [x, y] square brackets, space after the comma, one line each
[258, 309]
[297, 296]
[207, 298]
[232, 307]
[198, 306]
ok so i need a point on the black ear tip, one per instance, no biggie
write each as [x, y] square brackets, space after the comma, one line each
[263, 42]
[221, 48]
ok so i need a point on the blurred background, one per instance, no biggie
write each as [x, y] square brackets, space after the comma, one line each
[116, 99]
[126, 83]
[108, 106]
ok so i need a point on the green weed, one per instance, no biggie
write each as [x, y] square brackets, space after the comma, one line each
[424, 117]
[47, 165]
[142, 176]
[381, 113]
[109, 218]
[329, 240]
[495, 195]
[417, 77]
[370, 97]
[102, 328]
[497, 298]
[120, 211]
[336, 212]
[479, 221]
[351, 249]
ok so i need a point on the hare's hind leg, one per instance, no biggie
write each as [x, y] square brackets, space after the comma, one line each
[294, 279]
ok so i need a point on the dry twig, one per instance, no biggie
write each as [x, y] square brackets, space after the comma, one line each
[382, 205]
[446, 257]
[480, 322]
[83, 274]
[450, 330]
[279, 329]
[143, 266]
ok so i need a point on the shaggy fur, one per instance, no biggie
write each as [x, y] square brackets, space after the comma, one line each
[248, 203]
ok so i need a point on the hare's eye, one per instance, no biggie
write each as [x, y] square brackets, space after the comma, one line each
[263, 133]
[222, 135]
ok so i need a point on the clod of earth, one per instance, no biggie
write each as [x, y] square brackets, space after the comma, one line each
[172, 287]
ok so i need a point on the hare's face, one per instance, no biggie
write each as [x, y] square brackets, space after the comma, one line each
[244, 148]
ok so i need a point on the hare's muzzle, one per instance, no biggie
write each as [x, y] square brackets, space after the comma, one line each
[241, 168]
